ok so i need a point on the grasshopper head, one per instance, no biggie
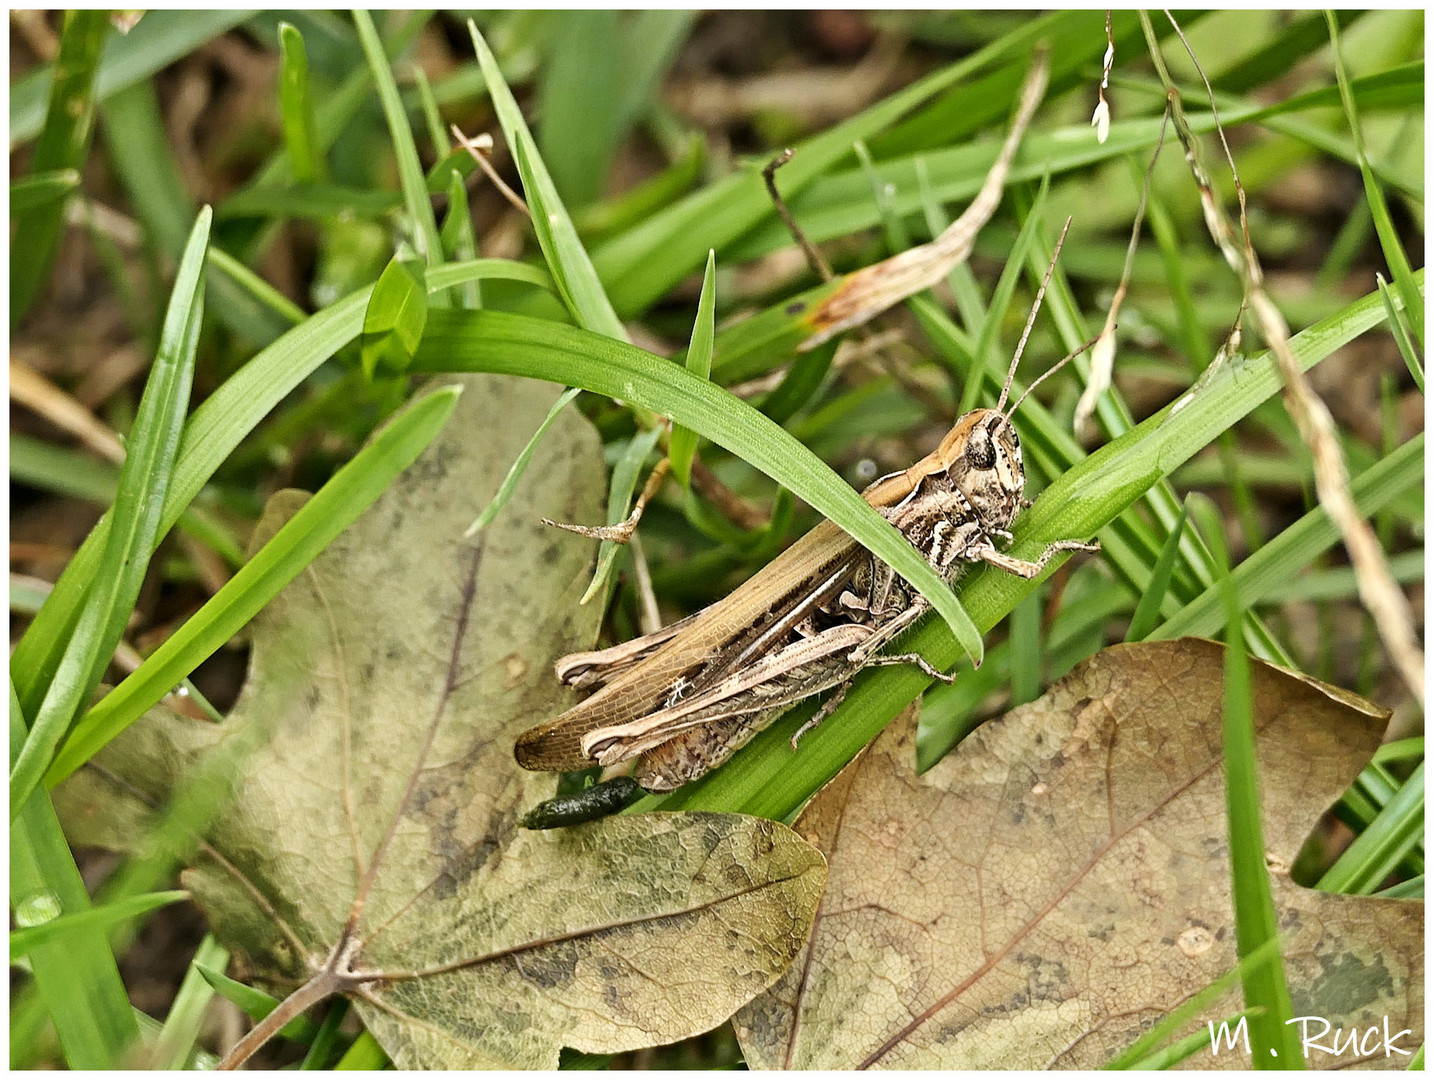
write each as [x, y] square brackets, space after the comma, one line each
[984, 465]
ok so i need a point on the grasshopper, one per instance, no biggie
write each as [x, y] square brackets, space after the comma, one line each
[681, 701]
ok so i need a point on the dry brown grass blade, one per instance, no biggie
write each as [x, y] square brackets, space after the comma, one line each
[1385, 601]
[870, 291]
[33, 390]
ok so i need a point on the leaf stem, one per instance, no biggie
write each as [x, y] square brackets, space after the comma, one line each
[324, 984]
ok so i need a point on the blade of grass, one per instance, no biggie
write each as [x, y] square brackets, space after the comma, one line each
[564, 253]
[157, 40]
[26, 939]
[1339, 583]
[296, 107]
[352, 490]
[1401, 334]
[1383, 226]
[683, 444]
[394, 319]
[1298, 545]
[1375, 853]
[322, 1048]
[578, 90]
[519, 466]
[410, 173]
[78, 983]
[218, 426]
[1147, 609]
[29, 193]
[1026, 657]
[136, 524]
[1413, 889]
[174, 1046]
[364, 1054]
[459, 243]
[432, 118]
[1256, 925]
[64, 143]
[256, 1004]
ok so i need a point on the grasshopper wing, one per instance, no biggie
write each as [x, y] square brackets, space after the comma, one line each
[769, 595]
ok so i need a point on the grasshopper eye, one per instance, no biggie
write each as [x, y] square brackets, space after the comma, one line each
[979, 451]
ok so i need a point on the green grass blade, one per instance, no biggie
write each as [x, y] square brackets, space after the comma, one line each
[78, 984]
[394, 319]
[578, 90]
[322, 1048]
[27, 939]
[566, 257]
[364, 1054]
[1381, 847]
[1027, 661]
[410, 172]
[519, 466]
[78, 980]
[988, 364]
[157, 40]
[603, 219]
[1340, 582]
[296, 107]
[1147, 609]
[352, 490]
[135, 523]
[143, 159]
[1274, 1043]
[1383, 226]
[1300, 544]
[516, 344]
[1413, 889]
[218, 426]
[333, 115]
[699, 361]
[459, 243]
[174, 1046]
[257, 1004]
[64, 142]
[32, 192]
[432, 118]
[1401, 334]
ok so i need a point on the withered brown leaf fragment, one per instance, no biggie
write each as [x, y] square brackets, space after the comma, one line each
[1061, 881]
[866, 293]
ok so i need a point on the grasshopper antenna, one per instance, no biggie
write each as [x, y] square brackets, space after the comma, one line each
[1031, 319]
[1062, 362]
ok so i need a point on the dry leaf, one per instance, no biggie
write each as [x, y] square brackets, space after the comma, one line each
[1060, 882]
[395, 673]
